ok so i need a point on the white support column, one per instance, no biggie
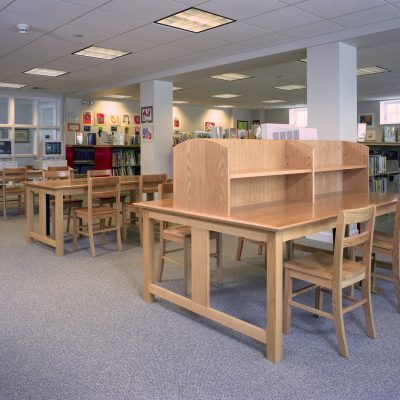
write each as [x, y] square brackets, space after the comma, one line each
[156, 156]
[332, 91]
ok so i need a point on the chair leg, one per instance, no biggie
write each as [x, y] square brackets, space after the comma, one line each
[319, 299]
[337, 305]
[103, 234]
[239, 248]
[289, 250]
[161, 261]
[74, 233]
[118, 225]
[53, 219]
[69, 216]
[368, 315]
[124, 223]
[396, 274]
[218, 245]
[187, 265]
[140, 223]
[287, 310]
[91, 240]
[260, 248]
[4, 208]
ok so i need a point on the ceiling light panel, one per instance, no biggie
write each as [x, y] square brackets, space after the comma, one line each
[290, 87]
[45, 72]
[371, 70]
[119, 96]
[224, 106]
[101, 52]
[273, 101]
[11, 85]
[180, 102]
[177, 88]
[226, 96]
[231, 76]
[194, 20]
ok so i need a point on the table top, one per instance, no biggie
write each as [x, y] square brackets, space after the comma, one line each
[60, 184]
[281, 215]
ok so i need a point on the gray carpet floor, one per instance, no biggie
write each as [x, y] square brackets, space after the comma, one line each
[76, 328]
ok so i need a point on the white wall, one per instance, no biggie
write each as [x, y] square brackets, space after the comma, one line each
[74, 109]
[277, 116]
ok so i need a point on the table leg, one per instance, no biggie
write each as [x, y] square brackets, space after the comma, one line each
[48, 215]
[274, 297]
[148, 255]
[59, 224]
[42, 214]
[29, 214]
[201, 266]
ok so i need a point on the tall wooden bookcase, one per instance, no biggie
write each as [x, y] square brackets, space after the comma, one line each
[217, 176]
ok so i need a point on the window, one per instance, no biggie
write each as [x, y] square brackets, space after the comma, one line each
[47, 113]
[298, 117]
[23, 111]
[3, 110]
[390, 112]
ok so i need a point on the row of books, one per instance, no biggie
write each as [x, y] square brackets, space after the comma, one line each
[378, 185]
[128, 170]
[125, 158]
[377, 164]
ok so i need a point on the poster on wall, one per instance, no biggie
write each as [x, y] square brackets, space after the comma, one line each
[87, 118]
[146, 114]
[136, 119]
[177, 123]
[114, 120]
[71, 127]
[126, 119]
[208, 126]
[100, 119]
[242, 125]
[367, 118]
[147, 133]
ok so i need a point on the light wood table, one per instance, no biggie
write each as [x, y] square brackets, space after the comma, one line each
[58, 189]
[273, 223]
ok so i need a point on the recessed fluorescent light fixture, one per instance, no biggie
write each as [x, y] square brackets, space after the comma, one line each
[194, 20]
[303, 60]
[100, 52]
[119, 96]
[290, 87]
[176, 88]
[231, 76]
[224, 106]
[11, 85]
[371, 70]
[179, 102]
[273, 101]
[226, 96]
[45, 72]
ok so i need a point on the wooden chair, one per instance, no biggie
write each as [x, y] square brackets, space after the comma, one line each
[98, 188]
[334, 273]
[12, 187]
[181, 235]
[389, 245]
[241, 241]
[68, 202]
[131, 215]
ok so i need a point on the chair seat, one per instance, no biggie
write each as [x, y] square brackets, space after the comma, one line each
[69, 203]
[179, 231]
[321, 265]
[111, 200]
[98, 211]
[14, 190]
[382, 240]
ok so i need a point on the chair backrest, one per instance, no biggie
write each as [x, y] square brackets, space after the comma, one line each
[364, 216]
[14, 176]
[99, 173]
[148, 184]
[165, 190]
[103, 187]
[56, 174]
[58, 168]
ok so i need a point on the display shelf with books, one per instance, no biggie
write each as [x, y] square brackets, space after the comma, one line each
[126, 161]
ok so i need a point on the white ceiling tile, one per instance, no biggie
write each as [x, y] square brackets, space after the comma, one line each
[157, 33]
[149, 10]
[199, 42]
[165, 52]
[88, 3]
[72, 63]
[284, 18]
[90, 36]
[332, 9]
[190, 3]
[108, 22]
[270, 40]
[368, 16]
[11, 41]
[38, 26]
[126, 43]
[4, 4]
[239, 9]
[236, 32]
[315, 29]
[230, 49]
[53, 10]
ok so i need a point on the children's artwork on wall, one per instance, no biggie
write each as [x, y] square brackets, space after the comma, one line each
[242, 125]
[73, 127]
[86, 128]
[208, 126]
[87, 118]
[146, 114]
[78, 138]
[136, 119]
[126, 120]
[367, 118]
[177, 123]
[147, 133]
[114, 120]
[100, 119]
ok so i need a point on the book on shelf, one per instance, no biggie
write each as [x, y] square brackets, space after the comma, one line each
[377, 164]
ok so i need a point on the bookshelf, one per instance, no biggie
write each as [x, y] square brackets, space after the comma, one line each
[243, 172]
[122, 160]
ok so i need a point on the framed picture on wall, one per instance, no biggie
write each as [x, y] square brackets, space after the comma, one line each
[147, 133]
[22, 135]
[87, 118]
[114, 120]
[100, 119]
[177, 123]
[242, 125]
[146, 114]
[126, 119]
[72, 127]
[136, 119]
[208, 126]
[367, 118]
